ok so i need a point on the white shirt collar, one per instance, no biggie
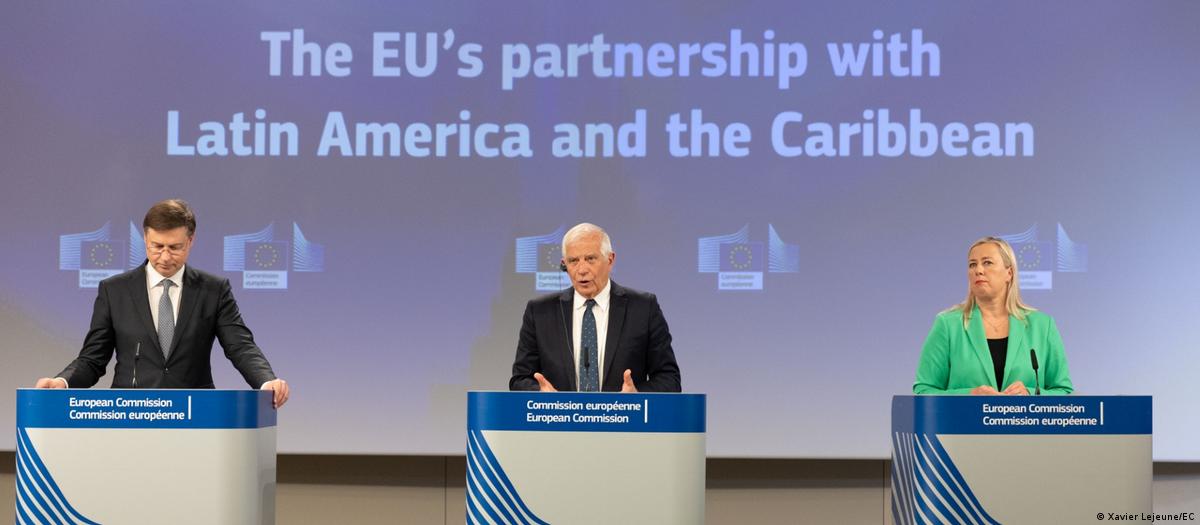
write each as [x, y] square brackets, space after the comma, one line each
[153, 278]
[601, 298]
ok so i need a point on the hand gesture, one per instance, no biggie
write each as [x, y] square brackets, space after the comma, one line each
[543, 384]
[1016, 389]
[984, 390]
[627, 386]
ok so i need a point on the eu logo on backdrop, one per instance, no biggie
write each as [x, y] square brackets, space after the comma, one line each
[97, 255]
[540, 255]
[265, 261]
[1038, 261]
[740, 263]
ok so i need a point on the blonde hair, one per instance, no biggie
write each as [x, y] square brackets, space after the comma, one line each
[1016, 307]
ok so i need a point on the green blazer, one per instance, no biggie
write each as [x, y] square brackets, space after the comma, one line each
[955, 360]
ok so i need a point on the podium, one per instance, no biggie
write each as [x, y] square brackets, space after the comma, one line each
[585, 458]
[1021, 459]
[145, 456]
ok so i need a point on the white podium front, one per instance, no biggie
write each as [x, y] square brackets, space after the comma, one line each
[1021, 459]
[145, 456]
[584, 458]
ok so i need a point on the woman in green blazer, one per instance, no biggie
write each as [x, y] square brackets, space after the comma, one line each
[982, 346]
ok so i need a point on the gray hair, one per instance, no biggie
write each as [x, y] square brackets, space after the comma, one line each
[586, 229]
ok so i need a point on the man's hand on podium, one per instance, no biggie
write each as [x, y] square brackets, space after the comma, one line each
[543, 384]
[627, 386]
[51, 382]
[280, 387]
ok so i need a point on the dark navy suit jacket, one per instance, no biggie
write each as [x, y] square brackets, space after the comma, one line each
[637, 340]
[121, 323]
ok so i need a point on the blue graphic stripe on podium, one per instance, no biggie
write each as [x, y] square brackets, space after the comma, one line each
[487, 499]
[933, 491]
[31, 498]
[490, 488]
[484, 457]
[35, 470]
[34, 481]
[489, 509]
[958, 478]
[32, 485]
[489, 474]
[953, 505]
[928, 487]
[948, 488]
[902, 480]
[474, 517]
[910, 478]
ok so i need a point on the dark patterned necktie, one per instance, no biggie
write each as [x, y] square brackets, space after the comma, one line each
[589, 369]
[166, 318]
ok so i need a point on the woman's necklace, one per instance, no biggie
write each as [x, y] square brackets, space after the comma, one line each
[994, 325]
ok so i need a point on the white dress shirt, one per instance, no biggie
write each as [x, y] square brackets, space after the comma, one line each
[600, 311]
[155, 290]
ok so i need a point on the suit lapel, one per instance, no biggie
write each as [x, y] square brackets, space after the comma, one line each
[978, 340]
[1016, 341]
[565, 304]
[187, 305]
[141, 303]
[616, 321]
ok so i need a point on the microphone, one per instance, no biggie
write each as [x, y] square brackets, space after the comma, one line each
[567, 334]
[1037, 384]
[137, 353]
[562, 266]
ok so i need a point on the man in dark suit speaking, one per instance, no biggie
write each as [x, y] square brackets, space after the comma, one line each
[596, 335]
[161, 318]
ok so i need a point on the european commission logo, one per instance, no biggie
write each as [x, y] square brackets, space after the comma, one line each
[264, 261]
[740, 263]
[97, 255]
[541, 255]
[1038, 260]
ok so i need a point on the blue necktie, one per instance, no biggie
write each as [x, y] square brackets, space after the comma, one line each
[166, 318]
[589, 369]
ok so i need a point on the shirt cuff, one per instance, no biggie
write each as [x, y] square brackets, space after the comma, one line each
[65, 383]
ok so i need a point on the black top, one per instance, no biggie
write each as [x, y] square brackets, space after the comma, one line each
[999, 348]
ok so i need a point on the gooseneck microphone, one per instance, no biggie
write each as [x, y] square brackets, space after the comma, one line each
[1036, 382]
[570, 344]
[137, 354]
